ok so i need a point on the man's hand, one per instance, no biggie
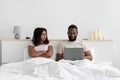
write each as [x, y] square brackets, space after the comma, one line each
[59, 56]
[88, 55]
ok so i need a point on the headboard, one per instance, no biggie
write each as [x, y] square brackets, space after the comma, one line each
[16, 48]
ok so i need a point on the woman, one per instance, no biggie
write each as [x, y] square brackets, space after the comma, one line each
[41, 46]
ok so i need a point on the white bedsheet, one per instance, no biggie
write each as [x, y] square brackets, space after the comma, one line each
[47, 69]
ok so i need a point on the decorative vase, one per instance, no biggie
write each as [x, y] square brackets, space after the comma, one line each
[17, 36]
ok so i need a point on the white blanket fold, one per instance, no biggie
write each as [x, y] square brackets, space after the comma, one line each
[48, 69]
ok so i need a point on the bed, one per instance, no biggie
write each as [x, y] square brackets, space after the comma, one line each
[48, 69]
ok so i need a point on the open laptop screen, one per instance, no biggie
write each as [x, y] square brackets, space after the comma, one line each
[73, 53]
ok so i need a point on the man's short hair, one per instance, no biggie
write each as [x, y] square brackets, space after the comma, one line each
[73, 26]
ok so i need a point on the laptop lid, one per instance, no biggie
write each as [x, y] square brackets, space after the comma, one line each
[73, 53]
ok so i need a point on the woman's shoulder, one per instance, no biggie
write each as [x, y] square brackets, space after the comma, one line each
[30, 44]
[50, 44]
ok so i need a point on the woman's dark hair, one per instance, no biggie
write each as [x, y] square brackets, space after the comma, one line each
[37, 34]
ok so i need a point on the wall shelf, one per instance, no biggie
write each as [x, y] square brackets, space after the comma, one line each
[56, 40]
[99, 40]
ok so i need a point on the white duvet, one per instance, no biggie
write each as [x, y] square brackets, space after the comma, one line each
[48, 69]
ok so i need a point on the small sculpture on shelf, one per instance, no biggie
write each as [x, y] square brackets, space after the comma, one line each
[17, 31]
[96, 35]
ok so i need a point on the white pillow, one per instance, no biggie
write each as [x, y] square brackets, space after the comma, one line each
[26, 55]
[55, 46]
[54, 54]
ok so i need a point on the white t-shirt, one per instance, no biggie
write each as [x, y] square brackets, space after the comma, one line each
[71, 44]
[43, 47]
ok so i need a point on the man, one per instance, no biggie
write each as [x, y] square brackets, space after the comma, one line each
[73, 43]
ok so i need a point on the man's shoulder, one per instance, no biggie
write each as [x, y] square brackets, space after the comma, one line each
[63, 42]
[72, 42]
[67, 41]
[79, 41]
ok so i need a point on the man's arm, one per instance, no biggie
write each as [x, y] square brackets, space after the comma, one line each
[59, 56]
[88, 55]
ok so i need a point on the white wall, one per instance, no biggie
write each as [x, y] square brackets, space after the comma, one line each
[57, 15]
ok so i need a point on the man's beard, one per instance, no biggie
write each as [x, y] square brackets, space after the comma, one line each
[72, 39]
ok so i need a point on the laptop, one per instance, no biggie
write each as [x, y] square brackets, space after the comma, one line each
[73, 53]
